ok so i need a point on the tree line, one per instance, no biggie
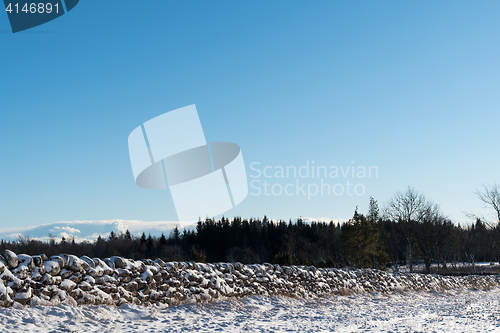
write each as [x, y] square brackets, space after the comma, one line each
[408, 229]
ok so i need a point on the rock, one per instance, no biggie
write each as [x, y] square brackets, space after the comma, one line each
[101, 267]
[160, 262]
[152, 269]
[65, 273]
[89, 261]
[38, 260]
[26, 260]
[65, 256]
[62, 296]
[10, 258]
[12, 280]
[131, 286]
[21, 271]
[3, 261]
[124, 272]
[147, 275]
[93, 272]
[125, 279]
[36, 285]
[85, 286]
[76, 277]
[67, 285]
[23, 297]
[3, 291]
[138, 265]
[52, 267]
[108, 279]
[148, 262]
[100, 280]
[76, 293]
[109, 263]
[47, 279]
[171, 267]
[60, 261]
[89, 279]
[76, 264]
[141, 284]
[158, 277]
[119, 262]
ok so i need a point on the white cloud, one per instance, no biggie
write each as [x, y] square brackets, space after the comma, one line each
[320, 219]
[68, 229]
[91, 230]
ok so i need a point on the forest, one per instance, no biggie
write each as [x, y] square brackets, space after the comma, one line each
[409, 229]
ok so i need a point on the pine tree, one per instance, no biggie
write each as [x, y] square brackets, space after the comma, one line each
[197, 256]
[176, 236]
[163, 240]
[361, 240]
[150, 247]
[373, 211]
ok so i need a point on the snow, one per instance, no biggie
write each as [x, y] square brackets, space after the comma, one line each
[491, 267]
[463, 311]
[237, 297]
[67, 285]
[52, 267]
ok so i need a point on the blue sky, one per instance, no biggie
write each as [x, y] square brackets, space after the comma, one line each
[409, 87]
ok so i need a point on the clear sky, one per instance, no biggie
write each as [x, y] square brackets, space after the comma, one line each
[409, 87]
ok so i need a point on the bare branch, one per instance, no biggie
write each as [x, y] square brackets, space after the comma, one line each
[410, 206]
[490, 197]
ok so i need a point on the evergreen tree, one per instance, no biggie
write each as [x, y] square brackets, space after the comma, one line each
[149, 247]
[361, 241]
[163, 240]
[373, 211]
[176, 236]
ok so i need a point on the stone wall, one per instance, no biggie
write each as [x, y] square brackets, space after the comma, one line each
[38, 280]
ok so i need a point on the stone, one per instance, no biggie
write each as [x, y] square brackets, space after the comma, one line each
[60, 261]
[119, 262]
[10, 258]
[38, 260]
[89, 261]
[26, 260]
[52, 267]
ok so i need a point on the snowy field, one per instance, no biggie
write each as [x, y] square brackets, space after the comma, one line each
[453, 311]
[460, 267]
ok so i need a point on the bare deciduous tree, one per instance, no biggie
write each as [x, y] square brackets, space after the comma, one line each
[490, 197]
[409, 207]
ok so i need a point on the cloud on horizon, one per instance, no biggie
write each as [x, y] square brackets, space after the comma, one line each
[91, 230]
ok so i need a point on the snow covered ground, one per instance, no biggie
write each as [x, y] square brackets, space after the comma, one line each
[487, 267]
[452, 311]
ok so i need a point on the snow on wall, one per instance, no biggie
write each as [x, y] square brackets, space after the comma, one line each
[38, 280]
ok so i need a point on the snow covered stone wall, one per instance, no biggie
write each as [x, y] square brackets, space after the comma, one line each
[38, 280]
